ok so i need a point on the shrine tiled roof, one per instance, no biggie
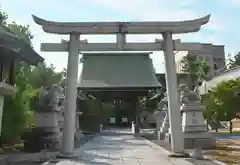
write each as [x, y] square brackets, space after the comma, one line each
[117, 70]
[16, 47]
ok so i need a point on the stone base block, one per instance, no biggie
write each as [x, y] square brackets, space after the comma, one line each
[204, 140]
[201, 143]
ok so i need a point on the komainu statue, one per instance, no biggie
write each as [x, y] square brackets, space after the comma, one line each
[51, 96]
[188, 96]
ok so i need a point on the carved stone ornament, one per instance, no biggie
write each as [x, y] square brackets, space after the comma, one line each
[52, 96]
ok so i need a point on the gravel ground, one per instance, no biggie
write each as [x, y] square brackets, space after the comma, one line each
[227, 151]
[167, 146]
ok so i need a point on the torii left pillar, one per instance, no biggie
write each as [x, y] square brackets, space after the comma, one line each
[67, 150]
[173, 96]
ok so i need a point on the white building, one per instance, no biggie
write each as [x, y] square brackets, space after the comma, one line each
[229, 74]
[213, 54]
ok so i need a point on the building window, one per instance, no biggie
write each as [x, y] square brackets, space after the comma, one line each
[207, 58]
[215, 67]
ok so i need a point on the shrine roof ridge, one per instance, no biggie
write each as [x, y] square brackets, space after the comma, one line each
[144, 27]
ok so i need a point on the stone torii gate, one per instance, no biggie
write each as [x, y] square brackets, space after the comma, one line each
[74, 46]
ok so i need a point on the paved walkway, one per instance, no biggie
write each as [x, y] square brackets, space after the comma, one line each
[119, 149]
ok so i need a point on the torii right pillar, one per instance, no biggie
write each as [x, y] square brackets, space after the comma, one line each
[177, 143]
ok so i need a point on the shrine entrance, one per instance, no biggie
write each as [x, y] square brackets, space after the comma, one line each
[74, 46]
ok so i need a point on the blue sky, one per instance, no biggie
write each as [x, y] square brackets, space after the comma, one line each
[222, 28]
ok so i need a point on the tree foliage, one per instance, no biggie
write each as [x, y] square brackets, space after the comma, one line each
[235, 61]
[3, 17]
[197, 69]
[21, 31]
[203, 70]
[190, 64]
[223, 102]
[43, 75]
[18, 111]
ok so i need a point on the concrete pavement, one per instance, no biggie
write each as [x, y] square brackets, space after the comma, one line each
[119, 149]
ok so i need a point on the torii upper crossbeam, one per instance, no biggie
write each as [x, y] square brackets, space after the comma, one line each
[121, 27]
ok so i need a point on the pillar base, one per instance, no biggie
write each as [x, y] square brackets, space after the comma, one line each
[66, 155]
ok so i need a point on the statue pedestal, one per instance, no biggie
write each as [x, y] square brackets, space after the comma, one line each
[194, 128]
[48, 116]
[204, 140]
[47, 121]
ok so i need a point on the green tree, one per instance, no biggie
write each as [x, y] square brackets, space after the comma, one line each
[43, 75]
[235, 61]
[190, 66]
[18, 109]
[223, 102]
[3, 17]
[15, 107]
[208, 112]
[203, 70]
[197, 70]
[21, 31]
[213, 112]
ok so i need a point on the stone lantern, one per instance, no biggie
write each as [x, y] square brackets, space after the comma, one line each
[49, 116]
[194, 128]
